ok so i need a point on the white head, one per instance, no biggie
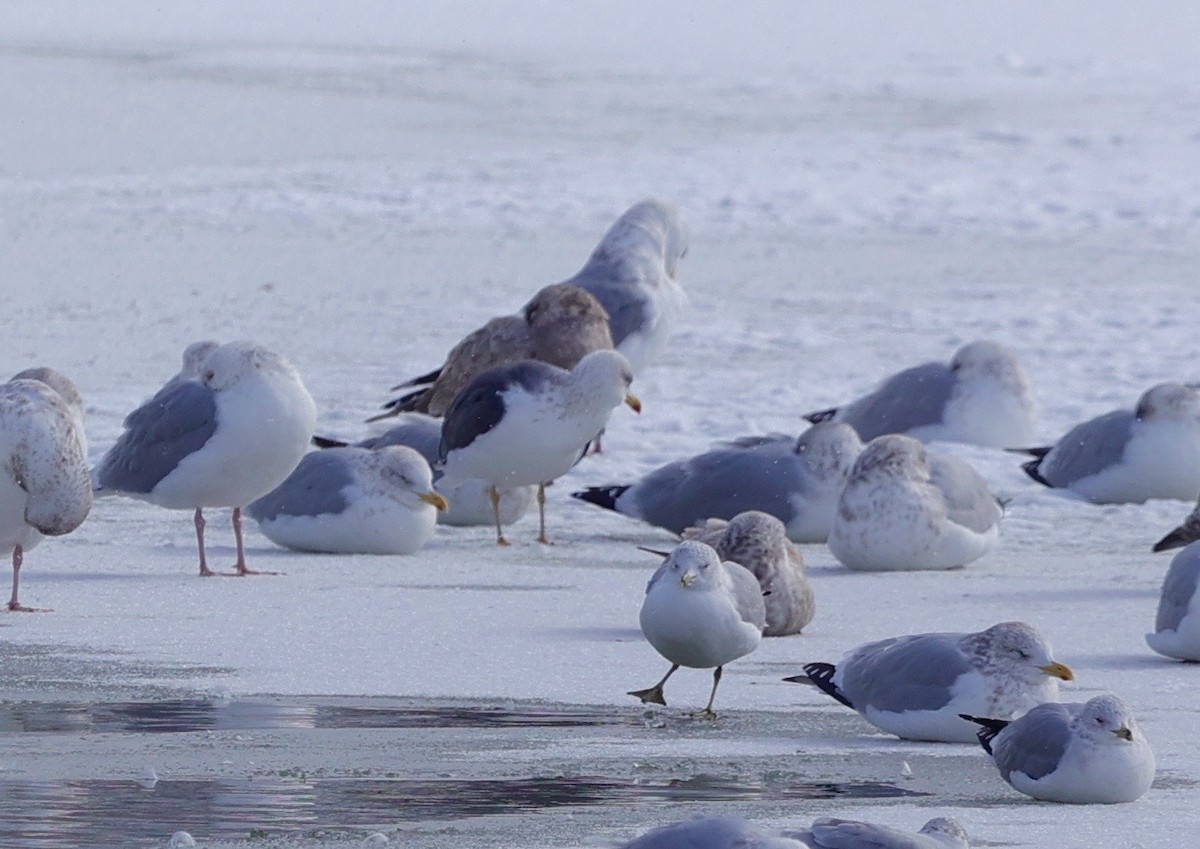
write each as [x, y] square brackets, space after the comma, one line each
[194, 356]
[946, 828]
[1018, 650]
[694, 566]
[989, 360]
[829, 448]
[1106, 720]
[650, 228]
[891, 456]
[229, 364]
[405, 476]
[603, 378]
[1169, 402]
[57, 381]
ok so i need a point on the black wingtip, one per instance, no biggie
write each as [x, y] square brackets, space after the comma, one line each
[1038, 451]
[821, 674]
[326, 442]
[601, 496]
[423, 380]
[820, 415]
[1175, 539]
[990, 728]
[404, 404]
[1031, 469]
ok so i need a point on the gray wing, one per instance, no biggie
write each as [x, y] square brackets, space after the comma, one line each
[480, 406]
[903, 673]
[611, 283]
[969, 501]
[175, 423]
[829, 833]
[314, 488]
[707, 833]
[415, 430]
[1034, 744]
[1087, 449]
[914, 398]
[1178, 589]
[747, 595]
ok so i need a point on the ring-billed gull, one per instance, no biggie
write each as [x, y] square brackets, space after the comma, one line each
[903, 508]
[353, 501]
[1082, 753]
[700, 613]
[916, 686]
[759, 542]
[220, 441]
[1177, 625]
[796, 481]
[632, 273]
[1129, 456]
[711, 833]
[530, 423]
[830, 833]
[982, 396]
[561, 325]
[47, 491]
[469, 501]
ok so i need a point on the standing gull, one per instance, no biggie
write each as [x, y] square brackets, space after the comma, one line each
[700, 613]
[222, 441]
[796, 481]
[353, 501]
[46, 490]
[632, 273]
[1129, 456]
[905, 509]
[917, 686]
[529, 423]
[1089, 753]
[759, 543]
[1177, 625]
[561, 325]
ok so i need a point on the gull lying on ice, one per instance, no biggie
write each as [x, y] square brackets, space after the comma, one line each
[469, 501]
[632, 273]
[759, 543]
[981, 397]
[47, 490]
[1079, 753]
[529, 423]
[825, 833]
[1177, 626]
[353, 501]
[797, 482]
[903, 508]
[917, 686]
[700, 613]
[1129, 456]
[561, 325]
[220, 441]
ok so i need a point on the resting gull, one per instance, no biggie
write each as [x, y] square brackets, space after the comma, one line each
[1081, 753]
[723, 832]
[1130, 456]
[916, 686]
[796, 481]
[220, 441]
[1177, 625]
[47, 490]
[981, 397]
[904, 508]
[529, 423]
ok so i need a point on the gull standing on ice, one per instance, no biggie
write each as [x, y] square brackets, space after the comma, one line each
[700, 613]
[561, 325]
[47, 490]
[529, 423]
[632, 273]
[903, 508]
[917, 686]
[1129, 456]
[981, 397]
[758, 542]
[470, 500]
[830, 833]
[353, 501]
[796, 481]
[221, 441]
[1089, 753]
[1177, 626]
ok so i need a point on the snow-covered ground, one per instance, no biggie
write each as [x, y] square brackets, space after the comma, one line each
[865, 189]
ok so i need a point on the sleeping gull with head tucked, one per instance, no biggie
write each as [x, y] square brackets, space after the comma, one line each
[903, 508]
[220, 441]
[916, 686]
[1177, 625]
[529, 423]
[723, 832]
[47, 491]
[982, 397]
[1129, 456]
[796, 481]
[1089, 753]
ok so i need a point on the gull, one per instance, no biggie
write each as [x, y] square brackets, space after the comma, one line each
[903, 508]
[981, 397]
[529, 423]
[221, 441]
[1177, 625]
[916, 686]
[353, 501]
[795, 480]
[46, 490]
[700, 613]
[830, 833]
[1129, 456]
[1082, 753]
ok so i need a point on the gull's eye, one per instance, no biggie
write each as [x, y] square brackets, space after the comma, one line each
[209, 375]
[1024, 655]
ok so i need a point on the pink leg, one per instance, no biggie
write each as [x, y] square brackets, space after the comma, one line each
[205, 572]
[240, 566]
[14, 605]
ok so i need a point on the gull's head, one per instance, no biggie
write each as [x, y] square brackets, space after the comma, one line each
[891, 456]
[751, 536]
[946, 827]
[564, 303]
[650, 231]
[1019, 649]
[1169, 402]
[606, 375]
[194, 356]
[1106, 719]
[829, 449]
[229, 364]
[59, 382]
[985, 359]
[407, 478]
[694, 565]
